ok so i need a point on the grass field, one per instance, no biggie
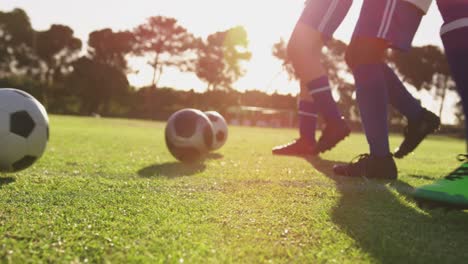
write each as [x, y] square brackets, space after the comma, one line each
[109, 191]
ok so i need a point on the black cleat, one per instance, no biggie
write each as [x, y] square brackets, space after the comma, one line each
[369, 166]
[333, 133]
[299, 147]
[416, 131]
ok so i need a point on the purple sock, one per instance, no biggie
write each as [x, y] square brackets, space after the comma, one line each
[307, 120]
[320, 90]
[372, 98]
[455, 41]
[400, 98]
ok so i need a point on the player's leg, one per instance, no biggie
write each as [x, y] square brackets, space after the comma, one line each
[399, 33]
[307, 42]
[382, 24]
[452, 191]
[454, 34]
[317, 24]
[365, 56]
[421, 122]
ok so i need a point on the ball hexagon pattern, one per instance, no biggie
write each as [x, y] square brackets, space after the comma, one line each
[189, 135]
[220, 129]
[24, 130]
[21, 124]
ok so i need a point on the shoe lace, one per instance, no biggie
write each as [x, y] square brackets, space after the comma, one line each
[359, 158]
[358, 163]
[461, 171]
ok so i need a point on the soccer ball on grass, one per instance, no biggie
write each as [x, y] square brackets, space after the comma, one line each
[189, 135]
[220, 129]
[24, 130]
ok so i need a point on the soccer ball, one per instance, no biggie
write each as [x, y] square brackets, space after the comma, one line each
[189, 135]
[24, 130]
[220, 129]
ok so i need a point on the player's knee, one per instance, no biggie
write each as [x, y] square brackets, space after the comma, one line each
[365, 51]
[303, 42]
[297, 50]
[305, 95]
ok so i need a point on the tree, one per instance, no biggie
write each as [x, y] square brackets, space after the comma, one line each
[279, 51]
[16, 38]
[97, 84]
[111, 48]
[56, 48]
[166, 43]
[100, 79]
[220, 57]
[425, 68]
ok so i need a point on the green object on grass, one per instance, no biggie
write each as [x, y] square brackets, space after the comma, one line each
[451, 191]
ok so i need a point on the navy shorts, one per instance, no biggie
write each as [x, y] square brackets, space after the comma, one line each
[325, 15]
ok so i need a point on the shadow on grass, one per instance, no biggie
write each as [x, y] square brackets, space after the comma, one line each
[422, 177]
[214, 156]
[388, 229]
[171, 170]
[177, 169]
[5, 181]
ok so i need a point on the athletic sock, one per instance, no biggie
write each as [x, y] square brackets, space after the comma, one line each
[307, 120]
[456, 49]
[320, 91]
[372, 98]
[400, 98]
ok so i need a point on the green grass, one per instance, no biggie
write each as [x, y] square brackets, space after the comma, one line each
[108, 191]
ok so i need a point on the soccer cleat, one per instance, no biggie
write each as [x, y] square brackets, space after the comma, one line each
[333, 133]
[300, 147]
[369, 166]
[416, 131]
[449, 192]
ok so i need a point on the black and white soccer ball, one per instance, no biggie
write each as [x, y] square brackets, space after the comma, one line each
[189, 135]
[220, 129]
[24, 130]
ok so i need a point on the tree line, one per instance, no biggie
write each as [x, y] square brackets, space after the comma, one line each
[53, 66]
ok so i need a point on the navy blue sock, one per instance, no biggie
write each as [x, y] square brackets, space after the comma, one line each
[320, 91]
[372, 98]
[400, 98]
[456, 49]
[307, 120]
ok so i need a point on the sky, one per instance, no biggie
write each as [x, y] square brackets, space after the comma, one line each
[266, 21]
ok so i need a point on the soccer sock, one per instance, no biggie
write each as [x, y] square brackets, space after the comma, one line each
[307, 120]
[372, 98]
[400, 98]
[320, 90]
[455, 41]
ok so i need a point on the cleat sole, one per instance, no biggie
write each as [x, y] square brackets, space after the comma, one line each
[433, 205]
